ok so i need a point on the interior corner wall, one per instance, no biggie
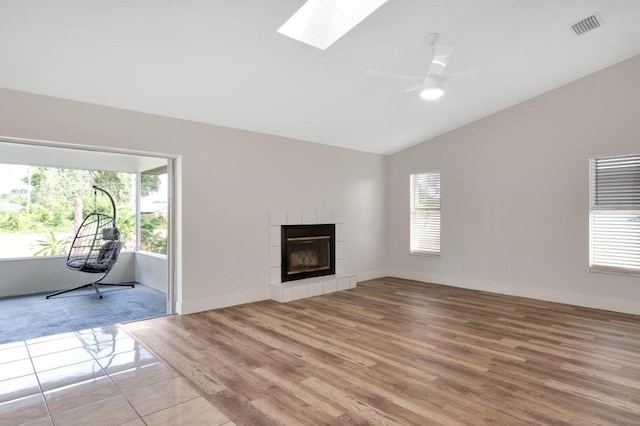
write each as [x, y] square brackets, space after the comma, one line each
[152, 270]
[515, 194]
[230, 181]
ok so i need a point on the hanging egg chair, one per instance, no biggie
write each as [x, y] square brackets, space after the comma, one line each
[96, 247]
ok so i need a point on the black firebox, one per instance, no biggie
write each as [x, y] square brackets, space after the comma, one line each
[308, 251]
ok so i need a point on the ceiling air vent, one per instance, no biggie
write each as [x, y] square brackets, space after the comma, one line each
[587, 24]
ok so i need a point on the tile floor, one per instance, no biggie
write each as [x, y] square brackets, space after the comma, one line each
[99, 377]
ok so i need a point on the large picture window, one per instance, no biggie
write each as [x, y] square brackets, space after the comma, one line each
[425, 213]
[614, 214]
[42, 207]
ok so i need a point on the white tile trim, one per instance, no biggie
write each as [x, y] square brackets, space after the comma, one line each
[293, 290]
[309, 287]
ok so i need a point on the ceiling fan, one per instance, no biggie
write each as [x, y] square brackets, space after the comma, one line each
[432, 84]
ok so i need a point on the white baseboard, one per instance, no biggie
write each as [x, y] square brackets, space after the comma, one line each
[217, 302]
[370, 275]
[616, 305]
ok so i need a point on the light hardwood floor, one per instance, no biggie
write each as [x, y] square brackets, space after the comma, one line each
[393, 351]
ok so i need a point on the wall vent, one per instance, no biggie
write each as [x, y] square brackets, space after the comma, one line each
[587, 24]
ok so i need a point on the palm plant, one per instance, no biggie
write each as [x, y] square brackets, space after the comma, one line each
[51, 245]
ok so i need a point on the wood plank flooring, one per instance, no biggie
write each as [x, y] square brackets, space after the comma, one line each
[394, 351]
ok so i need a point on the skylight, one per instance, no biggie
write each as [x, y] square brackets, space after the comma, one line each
[320, 23]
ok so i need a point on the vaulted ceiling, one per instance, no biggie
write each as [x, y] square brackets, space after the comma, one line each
[223, 62]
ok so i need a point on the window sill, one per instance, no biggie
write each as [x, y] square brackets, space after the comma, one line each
[424, 253]
[151, 254]
[55, 256]
[604, 270]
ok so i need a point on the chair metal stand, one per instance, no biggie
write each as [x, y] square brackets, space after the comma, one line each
[94, 285]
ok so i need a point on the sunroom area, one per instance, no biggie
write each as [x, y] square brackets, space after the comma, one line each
[45, 194]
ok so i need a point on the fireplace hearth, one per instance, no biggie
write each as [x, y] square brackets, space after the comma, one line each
[308, 251]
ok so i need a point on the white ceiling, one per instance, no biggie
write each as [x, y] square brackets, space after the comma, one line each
[222, 62]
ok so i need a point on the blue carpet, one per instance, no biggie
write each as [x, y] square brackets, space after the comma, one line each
[28, 317]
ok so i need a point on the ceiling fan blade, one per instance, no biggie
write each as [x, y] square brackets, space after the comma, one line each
[460, 75]
[413, 88]
[441, 56]
[393, 75]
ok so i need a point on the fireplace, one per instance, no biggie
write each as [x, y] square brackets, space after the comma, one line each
[308, 251]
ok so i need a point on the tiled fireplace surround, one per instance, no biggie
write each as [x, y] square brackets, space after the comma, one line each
[294, 290]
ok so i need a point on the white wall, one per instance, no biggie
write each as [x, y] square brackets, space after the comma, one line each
[48, 274]
[515, 194]
[231, 180]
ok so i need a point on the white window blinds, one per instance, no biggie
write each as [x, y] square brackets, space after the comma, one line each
[615, 214]
[425, 213]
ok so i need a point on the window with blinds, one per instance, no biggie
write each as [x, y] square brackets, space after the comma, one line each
[425, 213]
[614, 214]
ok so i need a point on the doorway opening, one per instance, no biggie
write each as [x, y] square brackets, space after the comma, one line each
[149, 257]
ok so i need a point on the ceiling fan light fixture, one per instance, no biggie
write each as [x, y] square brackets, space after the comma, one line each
[432, 89]
[431, 93]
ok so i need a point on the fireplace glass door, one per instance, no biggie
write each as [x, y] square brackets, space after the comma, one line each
[307, 251]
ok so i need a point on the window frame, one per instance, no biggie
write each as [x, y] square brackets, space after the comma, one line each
[413, 210]
[609, 215]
